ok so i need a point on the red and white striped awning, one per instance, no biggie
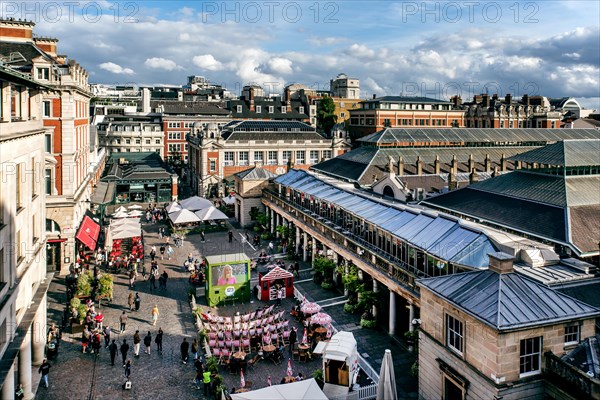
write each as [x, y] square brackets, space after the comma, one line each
[277, 273]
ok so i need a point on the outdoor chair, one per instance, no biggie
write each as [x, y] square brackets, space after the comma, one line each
[212, 343]
[246, 345]
[253, 315]
[221, 344]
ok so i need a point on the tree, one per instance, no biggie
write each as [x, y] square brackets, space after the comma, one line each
[326, 117]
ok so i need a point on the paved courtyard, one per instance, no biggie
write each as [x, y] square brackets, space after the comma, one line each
[84, 376]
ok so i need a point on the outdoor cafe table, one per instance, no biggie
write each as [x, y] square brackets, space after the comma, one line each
[303, 346]
[321, 330]
[269, 348]
[289, 379]
[240, 355]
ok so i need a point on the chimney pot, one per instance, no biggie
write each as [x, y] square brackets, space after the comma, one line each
[374, 96]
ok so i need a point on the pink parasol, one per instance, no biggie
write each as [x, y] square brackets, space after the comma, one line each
[310, 308]
[289, 368]
[242, 380]
[305, 337]
[321, 318]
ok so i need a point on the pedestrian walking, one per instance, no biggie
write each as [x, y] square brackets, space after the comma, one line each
[123, 319]
[160, 233]
[195, 349]
[230, 235]
[136, 343]
[113, 352]
[137, 302]
[131, 278]
[152, 281]
[293, 337]
[44, 370]
[130, 301]
[148, 342]
[170, 252]
[185, 347]
[202, 238]
[124, 350]
[165, 277]
[158, 340]
[127, 367]
[162, 252]
[206, 380]
[106, 334]
[153, 253]
[155, 314]
[271, 248]
[20, 392]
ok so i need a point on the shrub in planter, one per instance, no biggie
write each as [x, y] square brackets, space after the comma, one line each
[350, 308]
[365, 323]
[212, 364]
[265, 236]
[81, 313]
[84, 284]
[327, 285]
[105, 286]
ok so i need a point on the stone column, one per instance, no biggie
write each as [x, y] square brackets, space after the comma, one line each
[25, 365]
[314, 252]
[277, 223]
[392, 327]
[39, 333]
[375, 290]
[305, 249]
[346, 271]
[272, 221]
[8, 389]
[297, 238]
[411, 316]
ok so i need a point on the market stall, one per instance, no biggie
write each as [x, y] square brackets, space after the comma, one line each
[269, 279]
[340, 360]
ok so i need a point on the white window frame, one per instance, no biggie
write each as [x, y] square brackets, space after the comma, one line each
[271, 109]
[531, 354]
[455, 334]
[300, 160]
[272, 160]
[43, 73]
[243, 160]
[287, 153]
[570, 332]
[228, 158]
[260, 154]
[283, 109]
[301, 110]
[258, 109]
[47, 113]
[212, 165]
[239, 109]
[327, 154]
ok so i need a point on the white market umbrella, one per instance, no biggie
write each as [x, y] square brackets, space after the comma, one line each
[211, 213]
[310, 308]
[386, 388]
[195, 203]
[135, 207]
[183, 217]
[125, 221]
[207, 349]
[120, 209]
[127, 233]
[173, 207]
[321, 318]
[120, 214]
[229, 200]
[135, 213]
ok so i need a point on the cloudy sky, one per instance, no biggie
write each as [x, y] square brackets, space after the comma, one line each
[430, 48]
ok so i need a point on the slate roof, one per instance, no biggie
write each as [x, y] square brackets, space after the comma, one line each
[189, 108]
[407, 99]
[270, 131]
[418, 136]
[509, 301]
[543, 220]
[567, 153]
[28, 50]
[264, 104]
[255, 174]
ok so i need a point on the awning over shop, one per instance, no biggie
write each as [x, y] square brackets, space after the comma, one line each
[88, 233]
[104, 193]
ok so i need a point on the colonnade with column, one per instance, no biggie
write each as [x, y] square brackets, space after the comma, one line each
[405, 308]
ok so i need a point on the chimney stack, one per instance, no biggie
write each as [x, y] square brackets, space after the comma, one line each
[503, 163]
[251, 98]
[488, 163]
[419, 166]
[508, 98]
[517, 164]
[146, 101]
[374, 96]
[391, 167]
[501, 263]
[471, 162]
[436, 165]
[525, 99]
[485, 100]
[452, 183]
[454, 165]
[495, 96]
[473, 178]
[400, 166]
[495, 173]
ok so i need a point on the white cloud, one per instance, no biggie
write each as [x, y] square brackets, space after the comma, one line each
[359, 50]
[116, 68]
[207, 61]
[101, 45]
[184, 37]
[326, 41]
[574, 56]
[161, 63]
[280, 65]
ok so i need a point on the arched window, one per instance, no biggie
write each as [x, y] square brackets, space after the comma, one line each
[388, 191]
[52, 226]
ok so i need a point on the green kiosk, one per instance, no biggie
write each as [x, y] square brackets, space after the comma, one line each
[228, 279]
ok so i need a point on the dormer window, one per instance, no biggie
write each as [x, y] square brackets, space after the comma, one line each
[271, 109]
[283, 109]
[239, 109]
[43, 73]
[258, 109]
[301, 110]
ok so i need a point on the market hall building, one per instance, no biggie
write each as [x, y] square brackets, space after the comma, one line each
[137, 177]
[392, 244]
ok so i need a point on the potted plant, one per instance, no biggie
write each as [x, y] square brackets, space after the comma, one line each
[84, 284]
[319, 377]
[105, 287]
[324, 268]
[368, 299]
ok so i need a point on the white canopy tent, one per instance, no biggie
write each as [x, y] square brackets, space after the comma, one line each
[229, 200]
[183, 217]
[303, 390]
[125, 221]
[135, 213]
[120, 214]
[135, 207]
[121, 209]
[173, 207]
[211, 213]
[126, 233]
[195, 203]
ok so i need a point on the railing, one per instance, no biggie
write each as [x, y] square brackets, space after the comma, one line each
[368, 369]
[402, 272]
[566, 376]
[367, 392]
